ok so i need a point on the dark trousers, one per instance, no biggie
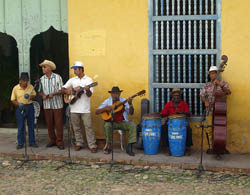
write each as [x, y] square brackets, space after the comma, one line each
[54, 118]
[28, 113]
[164, 136]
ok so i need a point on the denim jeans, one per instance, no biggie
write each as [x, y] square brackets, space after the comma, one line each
[21, 114]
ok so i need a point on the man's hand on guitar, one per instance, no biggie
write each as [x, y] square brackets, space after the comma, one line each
[130, 101]
[108, 108]
[206, 104]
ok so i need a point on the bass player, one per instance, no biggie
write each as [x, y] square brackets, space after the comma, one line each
[207, 96]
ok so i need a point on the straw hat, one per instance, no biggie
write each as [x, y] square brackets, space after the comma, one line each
[49, 63]
[175, 90]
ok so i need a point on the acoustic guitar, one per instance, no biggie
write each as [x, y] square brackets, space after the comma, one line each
[118, 106]
[76, 94]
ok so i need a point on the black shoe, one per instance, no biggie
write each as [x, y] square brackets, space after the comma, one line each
[61, 147]
[168, 151]
[226, 151]
[188, 152]
[19, 147]
[129, 150]
[49, 145]
[33, 145]
[209, 151]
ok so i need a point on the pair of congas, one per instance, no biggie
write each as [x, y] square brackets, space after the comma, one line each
[151, 133]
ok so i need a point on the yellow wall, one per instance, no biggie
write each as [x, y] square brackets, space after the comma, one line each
[111, 38]
[235, 44]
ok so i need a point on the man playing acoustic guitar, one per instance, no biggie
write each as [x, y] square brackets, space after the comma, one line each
[80, 109]
[120, 119]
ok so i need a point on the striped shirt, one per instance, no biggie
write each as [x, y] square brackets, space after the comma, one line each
[49, 85]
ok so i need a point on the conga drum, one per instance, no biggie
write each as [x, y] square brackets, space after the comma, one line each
[151, 132]
[177, 133]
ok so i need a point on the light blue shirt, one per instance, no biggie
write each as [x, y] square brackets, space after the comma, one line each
[109, 102]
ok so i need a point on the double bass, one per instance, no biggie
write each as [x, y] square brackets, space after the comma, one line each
[219, 123]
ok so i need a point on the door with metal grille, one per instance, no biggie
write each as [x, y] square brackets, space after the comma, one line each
[184, 41]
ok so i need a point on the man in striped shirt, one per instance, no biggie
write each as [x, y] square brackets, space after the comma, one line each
[50, 90]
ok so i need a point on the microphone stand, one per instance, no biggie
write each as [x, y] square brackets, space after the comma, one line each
[25, 155]
[202, 126]
[112, 163]
[69, 160]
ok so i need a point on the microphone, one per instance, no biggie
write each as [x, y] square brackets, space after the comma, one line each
[37, 81]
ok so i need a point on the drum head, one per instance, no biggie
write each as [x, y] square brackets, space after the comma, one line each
[176, 116]
[152, 116]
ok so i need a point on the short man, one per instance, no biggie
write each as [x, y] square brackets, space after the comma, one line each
[176, 106]
[50, 90]
[80, 110]
[120, 120]
[21, 97]
[208, 96]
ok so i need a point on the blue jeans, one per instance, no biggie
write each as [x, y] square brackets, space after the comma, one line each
[28, 113]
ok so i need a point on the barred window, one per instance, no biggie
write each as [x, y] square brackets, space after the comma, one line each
[184, 41]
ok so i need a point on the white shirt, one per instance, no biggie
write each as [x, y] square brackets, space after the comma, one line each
[82, 105]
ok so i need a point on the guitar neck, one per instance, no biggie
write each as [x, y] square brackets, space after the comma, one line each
[125, 101]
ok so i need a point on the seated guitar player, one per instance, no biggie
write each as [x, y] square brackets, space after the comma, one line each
[120, 119]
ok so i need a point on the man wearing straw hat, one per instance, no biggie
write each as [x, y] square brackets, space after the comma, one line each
[21, 96]
[50, 90]
[176, 106]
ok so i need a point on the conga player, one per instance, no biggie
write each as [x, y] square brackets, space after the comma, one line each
[176, 107]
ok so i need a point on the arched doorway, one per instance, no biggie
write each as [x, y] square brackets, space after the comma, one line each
[9, 77]
[51, 45]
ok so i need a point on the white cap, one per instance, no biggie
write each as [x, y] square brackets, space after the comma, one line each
[77, 64]
[213, 68]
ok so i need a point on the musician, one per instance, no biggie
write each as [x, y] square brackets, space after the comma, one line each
[121, 120]
[22, 96]
[208, 97]
[176, 106]
[50, 91]
[80, 110]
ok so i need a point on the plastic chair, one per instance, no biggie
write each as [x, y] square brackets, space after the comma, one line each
[37, 109]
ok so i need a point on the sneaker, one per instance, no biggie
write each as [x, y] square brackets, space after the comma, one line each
[33, 145]
[49, 145]
[93, 150]
[107, 149]
[19, 147]
[61, 147]
[77, 148]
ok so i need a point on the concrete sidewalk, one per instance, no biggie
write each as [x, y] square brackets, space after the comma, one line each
[230, 162]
